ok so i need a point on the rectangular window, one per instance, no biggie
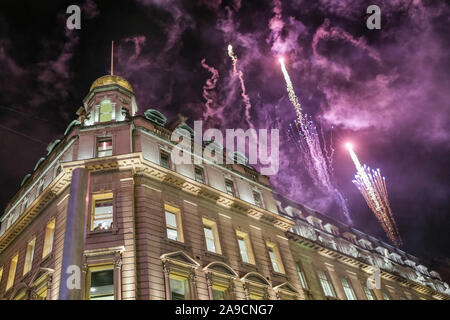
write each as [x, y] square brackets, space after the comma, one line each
[326, 284]
[229, 185]
[102, 212]
[301, 276]
[104, 147]
[179, 287]
[199, 174]
[173, 223]
[368, 293]
[220, 292]
[256, 296]
[257, 198]
[211, 236]
[164, 158]
[29, 256]
[1, 274]
[275, 257]
[348, 289]
[245, 248]
[12, 272]
[105, 111]
[101, 283]
[48, 240]
[386, 296]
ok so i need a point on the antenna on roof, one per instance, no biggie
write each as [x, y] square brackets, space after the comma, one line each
[112, 57]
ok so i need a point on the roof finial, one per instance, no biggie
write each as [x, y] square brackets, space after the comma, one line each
[112, 57]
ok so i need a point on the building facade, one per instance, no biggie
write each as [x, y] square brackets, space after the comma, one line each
[107, 214]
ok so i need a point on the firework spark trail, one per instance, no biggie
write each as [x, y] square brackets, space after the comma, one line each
[373, 188]
[245, 97]
[209, 85]
[317, 159]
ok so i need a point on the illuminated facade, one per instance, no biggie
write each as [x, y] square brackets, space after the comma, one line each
[108, 201]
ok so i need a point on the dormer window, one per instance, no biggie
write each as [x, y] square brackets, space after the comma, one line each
[199, 174]
[229, 185]
[257, 198]
[105, 111]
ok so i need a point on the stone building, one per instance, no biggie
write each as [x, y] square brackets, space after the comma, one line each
[107, 214]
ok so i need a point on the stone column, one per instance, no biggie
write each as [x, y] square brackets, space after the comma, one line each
[336, 281]
[74, 235]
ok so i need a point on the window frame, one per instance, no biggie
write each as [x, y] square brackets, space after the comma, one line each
[102, 197]
[49, 237]
[97, 268]
[29, 256]
[179, 227]
[202, 171]
[368, 292]
[104, 102]
[259, 197]
[328, 282]
[233, 189]
[211, 224]
[273, 247]
[12, 272]
[348, 288]
[248, 245]
[169, 161]
[301, 275]
[100, 140]
[180, 277]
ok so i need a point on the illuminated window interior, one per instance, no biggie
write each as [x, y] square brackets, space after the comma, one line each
[104, 147]
[301, 276]
[327, 287]
[369, 294]
[164, 158]
[29, 256]
[199, 174]
[1, 273]
[105, 111]
[102, 212]
[173, 223]
[101, 283]
[211, 236]
[12, 272]
[348, 289]
[275, 258]
[179, 287]
[220, 292]
[48, 240]
[245, 248]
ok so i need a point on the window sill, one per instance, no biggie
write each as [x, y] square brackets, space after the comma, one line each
[214, 255]
[278, 274]
[178, 243]
[250, 266]
[99, 232]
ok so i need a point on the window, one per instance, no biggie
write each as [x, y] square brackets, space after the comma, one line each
[29, 256]
[101, 283]
[48, 240]
[301, 276]
[199, 174]
[104, 147]
[164, 158]
[256, 296]
[275, 257]
[105, 111]
[220, 292]
[211, 236]
[102, 212]
[173, 223]
[369, 293]
[257, 198]
[179, 287]
[12, 272]
[1, 274]
[245, 248]
[386, 296]
[229, 186]
[348, 290]
[327, 287]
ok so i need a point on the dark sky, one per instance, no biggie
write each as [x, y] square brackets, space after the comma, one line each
[387, 90]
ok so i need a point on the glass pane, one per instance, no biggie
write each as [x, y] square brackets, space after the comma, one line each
[171, 219]
[210, 245]
[178, 289]
[103, 215]
[102, 285]
[243, 249]
[218, 294]
[172, 234]
[273, 259]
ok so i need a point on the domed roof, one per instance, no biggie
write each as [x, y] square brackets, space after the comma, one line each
[110, 79]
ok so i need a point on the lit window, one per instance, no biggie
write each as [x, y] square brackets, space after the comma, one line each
[102, 212]
[368, 293]
[220, 292]
[164, 159]
[245, 247]
[211, 236]
[105, 111]
[173, 223]
[48, 240]
[275, 257]
[386, 296]
[12, 272]
[301, 276]
[348, 290]
[101, 283]
[199, 177]
[256, 296]
[326, 284]
[29, 256]
[179, 287]
[257, 198]
[1, 274]
[104, 147]
[229, 187]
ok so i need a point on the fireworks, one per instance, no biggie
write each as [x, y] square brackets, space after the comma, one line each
[318, 160]
[240, 75]
[373, 188]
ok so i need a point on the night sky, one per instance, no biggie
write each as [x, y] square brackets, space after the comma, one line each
[387, 91]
